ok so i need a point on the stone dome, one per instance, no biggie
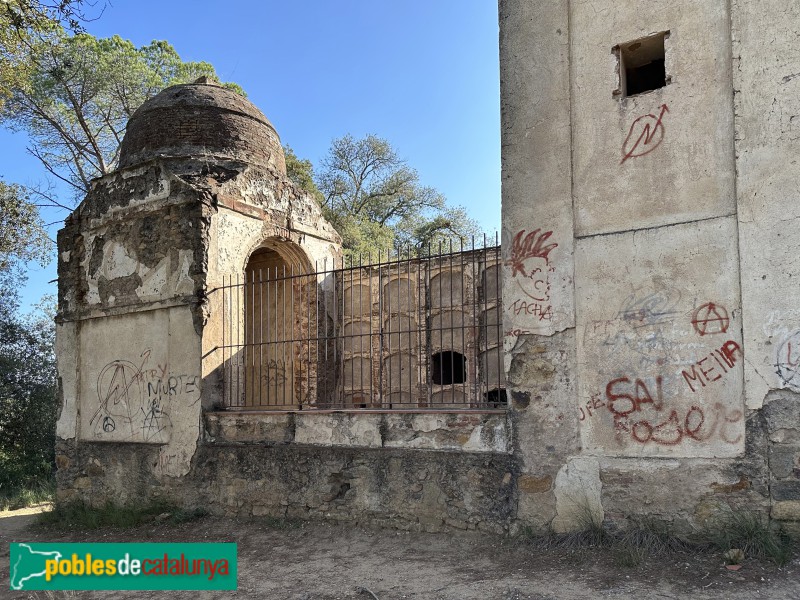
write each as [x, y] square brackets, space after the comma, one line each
[201, 118]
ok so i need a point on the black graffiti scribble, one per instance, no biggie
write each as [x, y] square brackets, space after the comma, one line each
[787, 365]
[644, 136]
[131, 399]
[120, 393]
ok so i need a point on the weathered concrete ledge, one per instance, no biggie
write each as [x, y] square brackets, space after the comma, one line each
[468, 432]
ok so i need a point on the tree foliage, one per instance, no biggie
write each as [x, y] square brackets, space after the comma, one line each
[25, 24]
[27, 362]
[78, 92]
[22, 235]
[375, 200]
[28, 405]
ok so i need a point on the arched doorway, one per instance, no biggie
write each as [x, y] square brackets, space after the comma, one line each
[276, 294]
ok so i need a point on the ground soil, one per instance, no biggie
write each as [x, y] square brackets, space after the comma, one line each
[321, 561]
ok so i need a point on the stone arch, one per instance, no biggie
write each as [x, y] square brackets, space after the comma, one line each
[278, 286]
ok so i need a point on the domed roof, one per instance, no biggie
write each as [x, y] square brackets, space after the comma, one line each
[201, 118]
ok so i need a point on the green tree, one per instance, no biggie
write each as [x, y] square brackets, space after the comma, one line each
[28, 401]
[78, 94]
[22, 235]
[25, 24]
[375, 199]
[27, 362]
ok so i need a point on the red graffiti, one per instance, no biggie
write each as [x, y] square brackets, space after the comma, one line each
[517, 332]
[674, 429]
[627, 403]
[710, 319]
[543, 311]
[528, 246]
[644, 136]
[593, 404]
[701, 372]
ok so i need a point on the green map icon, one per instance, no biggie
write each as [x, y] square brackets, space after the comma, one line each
[27, 564]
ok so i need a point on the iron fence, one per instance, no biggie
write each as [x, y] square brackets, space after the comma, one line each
[402, 332]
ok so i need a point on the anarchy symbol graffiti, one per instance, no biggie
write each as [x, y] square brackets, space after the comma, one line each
[711, 318]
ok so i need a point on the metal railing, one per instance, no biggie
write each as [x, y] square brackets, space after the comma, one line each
[405, 332]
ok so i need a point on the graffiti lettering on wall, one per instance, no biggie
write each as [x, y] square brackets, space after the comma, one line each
[517, 332]
[530, 270]
[710, 318]
[274, 372]
[704, 371]
[641, 309]
[642, 325]
[642, 416]
[593, 404]
[134, 400]
[537, 309]
[787, 364]
[645, 135]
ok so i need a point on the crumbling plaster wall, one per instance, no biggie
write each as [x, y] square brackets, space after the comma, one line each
[130, 313]
[256, 208]
[137, 263]
[626, 363]
[766, 84]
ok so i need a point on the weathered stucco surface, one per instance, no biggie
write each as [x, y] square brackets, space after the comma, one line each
[651, 326]
[676, 202]
[767, 103]
[471, 432]
[537, 223]
[146, 390]
[659, 357]
[687, 173]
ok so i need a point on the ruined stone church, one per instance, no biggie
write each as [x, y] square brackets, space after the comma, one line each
[636, 331]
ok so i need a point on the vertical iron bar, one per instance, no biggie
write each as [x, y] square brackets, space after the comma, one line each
[422, 334]
[469, 364]
[260, 336]
[251, 345]
[361, 321]
[224, 345]
[371, 344]
[389, 322]
[350, 338]
[429, 335]
[380, 330]
[452, 332]
[335, 322]
[325, 329]
[499, 324]
[476, 321]
[283, 334]
[272, 318]
[238, 342]
[409, 326]
[307, 286]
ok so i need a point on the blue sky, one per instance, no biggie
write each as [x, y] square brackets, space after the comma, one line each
[423, 74]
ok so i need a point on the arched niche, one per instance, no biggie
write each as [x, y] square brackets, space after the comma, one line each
[278, 301]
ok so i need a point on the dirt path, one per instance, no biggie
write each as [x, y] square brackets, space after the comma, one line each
[319, 561]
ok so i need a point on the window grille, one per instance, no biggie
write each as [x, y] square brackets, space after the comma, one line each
[403, 333]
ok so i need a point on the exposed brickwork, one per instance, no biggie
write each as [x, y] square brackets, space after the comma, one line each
[200, 119]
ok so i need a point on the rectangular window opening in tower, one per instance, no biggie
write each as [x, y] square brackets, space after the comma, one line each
[640, 66]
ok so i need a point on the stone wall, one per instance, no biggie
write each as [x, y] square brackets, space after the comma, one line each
[650, 325]
[663, 332]
[413, 490]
